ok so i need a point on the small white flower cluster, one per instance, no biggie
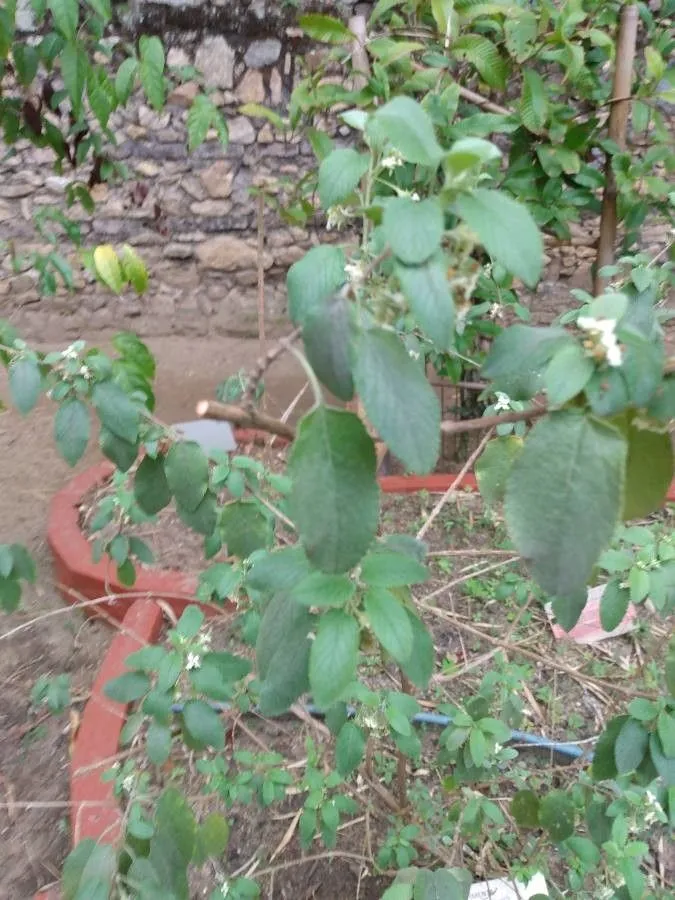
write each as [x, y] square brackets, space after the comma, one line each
[225, 888]
[128, 784]
[604, 332]
[193, 661]
[503, 402]
[393, 161]
[338, 216]
[654, 812]
[354, 271]
[496, 311]
[73, 351]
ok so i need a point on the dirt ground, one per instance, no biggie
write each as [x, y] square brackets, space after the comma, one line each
[34, 748]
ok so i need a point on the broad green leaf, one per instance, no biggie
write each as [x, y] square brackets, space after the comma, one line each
[525, 809]
[122, 453]
[638, 584]
[128, 687]
[173, 842]
[326, 29]
[413, 229]
[568, 609]
[204, 724]
[327, 337]
[219, 580]
[405, 125]
[190, 622]
[158, 743]
[349, 748]
[385, 568]
[390, 623]
[277, 571]
[564, 498]
[10, 594]
[494, 465]
[518, 357]
[533, 102]
[649, 471]
[245, 528]
[507, 231]
[484, 55]
[662, 405]
[642, 366]
[66, 14]
[134, 269]
[398, 399]
[72, 428]
[211, 838]
[151, 488]
[665, 728]
[204, 518]
[116, 411]
[340, 174]
[613, 605]
[607, 393]
[405, 543]
[599, 824]
[567, 374]
[187, 473]
[556, 815]
[108, 267]
[125, 79]
[420, 665]
[430, 299]
[604, 763]
[321, 590]
[313, 279]
[152, 70]
[89, 871]
[282, 654]
[630, 746]
[470, 152]
[442, 884]
[25, 383]
[664, 765]
[26, 62]
[101, 94]
[333, 657]
[335, 497]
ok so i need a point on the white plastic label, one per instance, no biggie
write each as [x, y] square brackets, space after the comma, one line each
[500, 889]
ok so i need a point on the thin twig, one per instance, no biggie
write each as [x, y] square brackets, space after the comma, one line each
[263, 364]
[244, 418]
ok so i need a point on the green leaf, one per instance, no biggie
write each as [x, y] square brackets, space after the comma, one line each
[525, 809]
[277, 571]
[604, 763]
[158, 743]
[128, 687]
[202, 116]
[211, 839]
[468, 153]
[89, 871]
[649, 471]
[190, 622]
[122, 453]
[630, 746]
[219, 580]
[639, 584]
[340, 174]
[420, 665]
[664, 765]
[282, 654]
[563, 498]
[152, 70]
[642, 366]
[533, 102]
[25, 383]
[389, 569]
[326, 29]
[322, 590]
[245, 528]
[335, 497]
[10, 594]
[101, 94]
[187, 473]
[585, 850]
[406, 126]
[134, 269]
[327, 337]
[26, 62]
[204, 724]
[556, 815]
[662, 405]
[125, 79]
[567, 374]
[151, 488]
[390, 623]
[613, 605]
[482, 54]
[507, 231]
[398, 399]
[598, 822]
[333, 657]
[116, 411]
[430, 299]
[349, 748]
[518, 357]
[313, 279]
[66, 15]
[665, 728]
[442, 884]
[204, 518]
[568, 609]
[413, 229]
[108, 267]
[72, 428]
[173, 842]
[494, 466]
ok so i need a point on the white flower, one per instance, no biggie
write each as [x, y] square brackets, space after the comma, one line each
[498, 748]
[354, 271]
[337, 217]
[393, 161]
[225, 888]
[503, 402]
[603, 330]
[128, 784]
[194, 661]
[70, 353]
[413, 354]
[205, 641]
[85, 372]
[495, 311]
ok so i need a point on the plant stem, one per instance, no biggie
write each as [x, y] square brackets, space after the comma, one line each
[263, 364]
[245, 418]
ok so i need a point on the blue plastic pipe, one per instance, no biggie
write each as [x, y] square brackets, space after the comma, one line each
[571, 750]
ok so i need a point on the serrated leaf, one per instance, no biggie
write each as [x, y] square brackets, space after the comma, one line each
[326, 29]
[398, 399]
[613, 605]
[564, 497]
[282, 654]
[313, 279]
[413, 229]
[556, 815]
[349, 748]
[151, 488]
[327, 336]
[204, 724]
[319, 589]
[484, 56]
[518, 357]
[390, 569]
[406, 126]
[200, 118]
[25, 383]
[108, 267]
[428, 293]
[340, 174]
[334, 498]
[116, 410]
[187, 473]
[533, 102]
[151, 70]
[72, 429]
[630, 746]
[507, 231]
[567, 374]
[245, 528]
[333, 657]
[277, 571]
[494, 466]
[390, 623]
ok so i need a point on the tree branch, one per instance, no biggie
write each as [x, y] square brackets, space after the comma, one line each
[244, 418]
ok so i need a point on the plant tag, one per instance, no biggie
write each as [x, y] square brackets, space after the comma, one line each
[209, 434]
[501, 889]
